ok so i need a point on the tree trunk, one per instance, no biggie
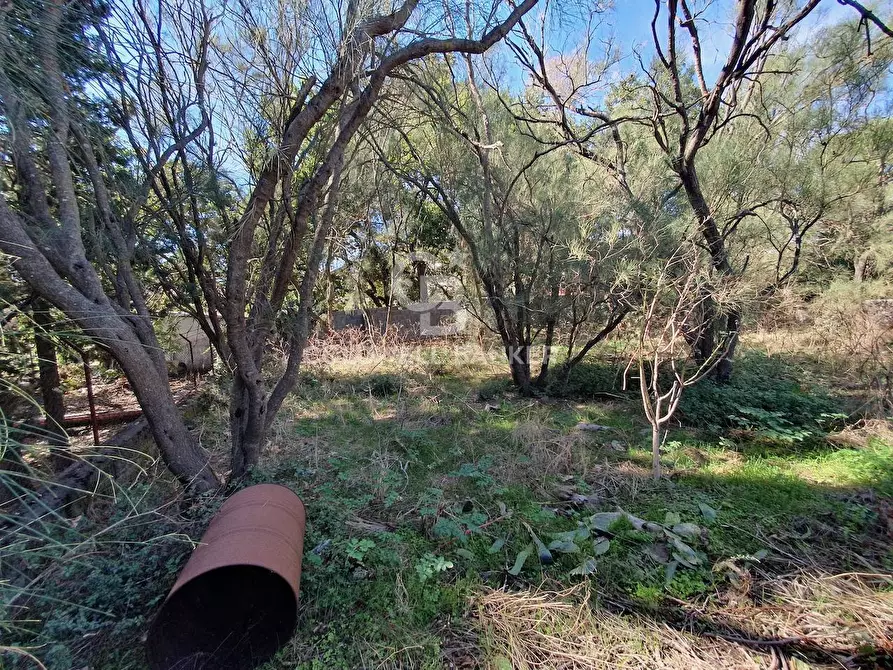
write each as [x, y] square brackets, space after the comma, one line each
[179, 450]
[720, 260]
[246, 428]
[861, 266]
[655, 451]
[519, 363]
[50, 386]
[543, 375]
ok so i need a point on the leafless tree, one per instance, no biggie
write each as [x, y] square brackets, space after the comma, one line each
[662, 356]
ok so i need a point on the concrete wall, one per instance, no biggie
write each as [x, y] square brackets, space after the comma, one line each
[183, 331]
[434, 322]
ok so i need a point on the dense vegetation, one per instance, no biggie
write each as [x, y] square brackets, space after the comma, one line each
[657, 435]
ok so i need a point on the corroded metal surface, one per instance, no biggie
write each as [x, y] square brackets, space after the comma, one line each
[235, 602]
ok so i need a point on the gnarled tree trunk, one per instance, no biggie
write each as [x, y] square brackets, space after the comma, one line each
[50, 384]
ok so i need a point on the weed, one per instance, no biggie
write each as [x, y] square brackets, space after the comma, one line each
[382, 385]
[765, 396]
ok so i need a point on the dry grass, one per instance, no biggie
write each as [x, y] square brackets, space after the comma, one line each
[560, 631]
[353, 352]
[549, 452]
[835, 616]
[835, 612]
[859, 434]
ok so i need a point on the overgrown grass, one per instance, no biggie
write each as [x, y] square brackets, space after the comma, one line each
[422, 491]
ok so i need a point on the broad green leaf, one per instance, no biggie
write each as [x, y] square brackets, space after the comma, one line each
[564, 547]
[544, 554]
[498, 544]
[670, 571]
[603, 520]
[601, 545]
[672, 518]
[708, 512]
[568, 536]
[587, 568]
[464, 553]
[685, 554]
[520, 560]
[659, 552]
[690, 531]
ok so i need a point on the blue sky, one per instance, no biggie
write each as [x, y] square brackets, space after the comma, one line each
[629, 21]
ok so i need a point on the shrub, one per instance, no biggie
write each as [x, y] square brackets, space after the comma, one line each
[493, 388]
[588, 379]
[382, 385]
[764, 395]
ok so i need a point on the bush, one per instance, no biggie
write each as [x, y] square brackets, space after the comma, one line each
[382, 385]
[492, 389]
[764, 395]
[588, 379]
[85, 588]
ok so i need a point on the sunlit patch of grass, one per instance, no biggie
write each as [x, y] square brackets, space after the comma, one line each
[871, 467]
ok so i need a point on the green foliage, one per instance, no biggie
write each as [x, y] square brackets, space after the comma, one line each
[588, 380]
[430, 566]
[381, 385]
[765, 396]
[390, 554]
[101, 581]
[357, 549]
[492, 389]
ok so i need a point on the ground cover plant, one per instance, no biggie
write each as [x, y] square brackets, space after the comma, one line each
[570, 321]
[444, 527]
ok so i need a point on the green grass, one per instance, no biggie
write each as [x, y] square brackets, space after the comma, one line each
[419, 491]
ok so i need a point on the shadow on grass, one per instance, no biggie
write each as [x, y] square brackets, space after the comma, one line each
[438, 492]
[425, 490]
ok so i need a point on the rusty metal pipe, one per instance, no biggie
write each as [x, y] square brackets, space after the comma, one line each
[236, 600]
[100, 418]
[91, 401]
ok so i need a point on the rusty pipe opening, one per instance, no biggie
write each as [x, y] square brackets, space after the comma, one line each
[236, 600]
[231, 618]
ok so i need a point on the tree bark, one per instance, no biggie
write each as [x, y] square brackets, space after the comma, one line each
[98, 319]
[655, 451]
[50, 386]
[861, 266]
[519, 363]
[729, 322]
